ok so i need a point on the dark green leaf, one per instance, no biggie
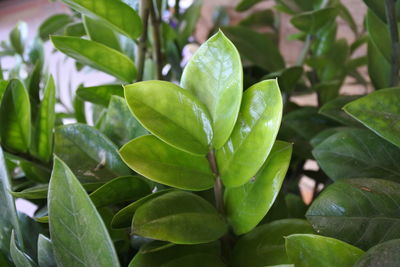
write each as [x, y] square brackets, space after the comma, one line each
[188, 22]
[261, 18]
[79, 109]
[75, 29]
[53, 25]
[334, 110]
[386, 254]
[379, 34]
[378, 67]
[246, 4]
[18, 37]
[100, 95]
[45, 252]
[20, 259]
[312, 21]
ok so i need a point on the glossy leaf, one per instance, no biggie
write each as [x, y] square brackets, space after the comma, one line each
[15, 117]
[180, 255]
[378, 67]
[265, 245]
[386, 254]
[379, 34]
[307, 250]
[357, 153]
[246, 4]
[334, 110]
[100, 95]
[247, 41]
[99, 32]
[254, 134]
[179, 217]
[19, 258]
[90, 154]
[18, 37]
[214, 75]
[120, 16]
[257, 196]
[45, 252]
[78, 233]
[42, 141]
[123, 218]
[120, 189]
[312, 21]
[363, 212]
[53, 25]
[155, 105]
[380, 112]
[97, 56]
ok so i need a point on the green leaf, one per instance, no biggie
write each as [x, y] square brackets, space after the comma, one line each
[75, 29]
[15, 117]
[125, 188]
[334, 110]
[380, 112]
[123, 218]
[312, 21]
[259, 19]
[155, 105]
[45, 252]
[257, 196]
[99, 32]
[78, 233]
[378, 67]
[188, 22]
[167, 165]
[118, 15]
[246, 4]
[265, 245]
[363, 212]
[247, 41]
[379, 34]
[357, 153]
[53, 25]
[18, 37]
[79, 109]
[8, 214]
[254, 134]
[91, 156]
[288, 78]
[385, 254]
[19, 258]
[307, 250]
[320, 137]
[214, 74]
[180, 255]
[97, 55]
[100, 95]
[118, 124]
[179, 217]
[42, 141]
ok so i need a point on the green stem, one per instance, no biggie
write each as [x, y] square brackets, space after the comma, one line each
[157, 55]
[390, 9]
[144, 11]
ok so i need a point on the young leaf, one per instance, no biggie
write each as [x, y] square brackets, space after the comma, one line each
[100, 95]
[97, 55]
[19, 258]
[179, 217]
[265, 245]
[120, 16]
[54, 25]
[357, 153]
[77, 231]
[385, 254]
[254, 134]
[42, 141]
[90, 154]
[257, 196]
[120, 189]
[45, 252]
[363, 212]
[15, 117]
[380, 112]
[167, 165]
[214, 74]
[18, 37]
[99, 32]
[307, 250]
[155, 105]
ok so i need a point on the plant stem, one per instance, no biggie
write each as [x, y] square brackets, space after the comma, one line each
[390, 9]
[304, 52]
[144, 11]
[157, 55]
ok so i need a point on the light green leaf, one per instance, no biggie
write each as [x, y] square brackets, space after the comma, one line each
[125, 188]
[155, 105]
[257, 196]
[19, 258]
[265, 245]
[15, 117]
[118, 15]
[380, 112]
[254, 134]
[90, 154]
[165, 164]
[214, 74]
[386, 254]
[363, 212]
[307, 250]
[18, 37]
[53, 25]
[42, 141]
[97, 55]
[312, 21]
[100, 95]
[77, 231]
[179, 217]
[357, 153]
[45, 252]
[99, 32]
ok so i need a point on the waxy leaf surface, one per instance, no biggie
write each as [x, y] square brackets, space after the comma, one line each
[20, 259]
[45, 252]
[101, 94]
[99, 32]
